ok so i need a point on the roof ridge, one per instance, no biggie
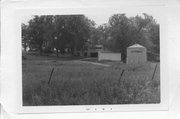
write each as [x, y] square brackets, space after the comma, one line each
[136, 45]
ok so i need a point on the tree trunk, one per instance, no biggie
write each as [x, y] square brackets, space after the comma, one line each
[72, 51]
[57, 54]
[62, 50]
[41, 50]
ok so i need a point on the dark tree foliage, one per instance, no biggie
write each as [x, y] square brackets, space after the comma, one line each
[119, 31]
[155, 38]
[39, 29]
[124, 31]
[61, 32]
[71, 33]
[25, 40]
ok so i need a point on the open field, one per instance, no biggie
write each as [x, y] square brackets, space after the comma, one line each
[76, 83]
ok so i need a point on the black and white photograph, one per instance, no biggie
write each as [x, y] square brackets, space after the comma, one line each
[90, 59]
[96, 59]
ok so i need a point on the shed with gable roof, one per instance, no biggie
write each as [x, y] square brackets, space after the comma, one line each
[136, 54]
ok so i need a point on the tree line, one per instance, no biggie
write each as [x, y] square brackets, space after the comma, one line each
[71, 33]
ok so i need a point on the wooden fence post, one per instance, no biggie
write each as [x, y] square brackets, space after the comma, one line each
[121, 76]
[50, 76]
[154, 72]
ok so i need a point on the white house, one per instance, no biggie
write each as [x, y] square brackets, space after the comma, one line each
[136, 54]
[104, 55]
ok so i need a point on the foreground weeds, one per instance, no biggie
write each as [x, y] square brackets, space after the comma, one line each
[86, 84]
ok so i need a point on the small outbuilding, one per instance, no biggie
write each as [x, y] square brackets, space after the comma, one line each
[106, 55]
[136, 54]
[93, 51]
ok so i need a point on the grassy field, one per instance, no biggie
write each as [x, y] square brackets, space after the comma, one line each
[76, 83]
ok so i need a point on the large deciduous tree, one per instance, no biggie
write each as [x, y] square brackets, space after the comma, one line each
[37, 32]
[126, 31]
[155, 38]
[25, 37]
[119, 31]
[72, 31]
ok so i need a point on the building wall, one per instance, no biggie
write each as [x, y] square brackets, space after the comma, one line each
[109, 56]
[136, 55]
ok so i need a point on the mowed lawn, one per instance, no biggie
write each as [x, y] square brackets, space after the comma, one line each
[77, 83]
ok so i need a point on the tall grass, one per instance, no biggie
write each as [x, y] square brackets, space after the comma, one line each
[86, 84]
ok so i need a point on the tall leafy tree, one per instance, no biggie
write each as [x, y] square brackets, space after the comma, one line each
[80, 29]
[25, 36]
[119, 31]
[155, 38]
[59, 40]
[127, 31]
[37, 31]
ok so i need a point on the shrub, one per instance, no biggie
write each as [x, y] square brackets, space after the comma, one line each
[48, 50]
